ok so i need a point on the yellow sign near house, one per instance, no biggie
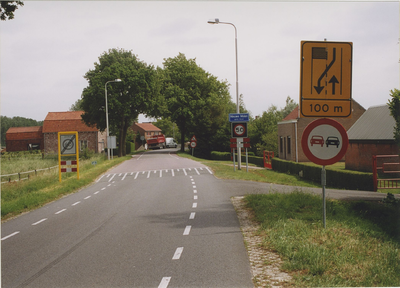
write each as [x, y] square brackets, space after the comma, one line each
[68, 146]
[325, 79]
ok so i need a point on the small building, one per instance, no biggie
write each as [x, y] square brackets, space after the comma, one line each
[144, 131]
[290, 131]
[24, 138]
[372, 134]
[88, 137]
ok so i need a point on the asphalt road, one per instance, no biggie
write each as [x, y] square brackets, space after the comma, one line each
[157, 220]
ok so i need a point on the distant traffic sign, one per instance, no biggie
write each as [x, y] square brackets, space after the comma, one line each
[239, 117]
[239, 130]
[193, 139]
[324, 141]
[193, 144]
[325, 79]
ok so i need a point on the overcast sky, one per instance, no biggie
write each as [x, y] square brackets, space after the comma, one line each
[49, 46]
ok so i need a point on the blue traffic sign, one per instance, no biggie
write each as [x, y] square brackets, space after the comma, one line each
[239, 117]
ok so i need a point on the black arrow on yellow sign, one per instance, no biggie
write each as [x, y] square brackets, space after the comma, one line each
[319, 88]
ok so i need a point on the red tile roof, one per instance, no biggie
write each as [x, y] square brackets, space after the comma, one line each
[147, 126]
[24, 129]
[65, 121]
[292, 115]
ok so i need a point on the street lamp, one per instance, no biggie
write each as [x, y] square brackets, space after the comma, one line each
[216, 21]
[108, 132]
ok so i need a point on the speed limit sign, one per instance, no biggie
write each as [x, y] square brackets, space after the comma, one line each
[239, 130]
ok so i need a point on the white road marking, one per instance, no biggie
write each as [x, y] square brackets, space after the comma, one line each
[195, 197]
[103, 188]
[8, 236]
[187, 230]
[131, 173]
[124, 177]
[38, 222]
[111, 178]
[184, 171]
[108, 185]
[160, 173]
[209, 170]
[76, 203]
[178, 253]
[100, 178]
[87, 197]
[192, 215]
[136, 175]
[194, 186]
[60, 211]
[164, 282]
[148, 175]
[173, 174]
[96, 192]
[119, 174]
[198, 173]
[194, 205]
[194, 191]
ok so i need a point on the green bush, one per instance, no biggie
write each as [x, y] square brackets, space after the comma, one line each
[344, 179]
[215, 155]
[130, 147]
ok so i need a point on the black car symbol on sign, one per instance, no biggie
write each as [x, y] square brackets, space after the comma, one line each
[332, 140]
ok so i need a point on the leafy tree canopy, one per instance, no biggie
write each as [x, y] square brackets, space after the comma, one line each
[7, 9]
[394, 106]
[197, 102]
[138, 93]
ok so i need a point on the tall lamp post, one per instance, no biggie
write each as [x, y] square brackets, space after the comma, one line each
[108, 132]
[216, 21]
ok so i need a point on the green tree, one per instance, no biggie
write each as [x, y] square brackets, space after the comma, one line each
[197, 102]
[77, 106]
[169, 128]
[7, 9]
[263, 130]
[138, 93]
[394, 107]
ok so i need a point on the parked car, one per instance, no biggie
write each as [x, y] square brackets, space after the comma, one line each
[318, 140]
[170, 142]
[332, 140]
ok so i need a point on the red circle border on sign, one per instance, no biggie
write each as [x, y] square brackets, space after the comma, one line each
[306, 133]
[244, 129]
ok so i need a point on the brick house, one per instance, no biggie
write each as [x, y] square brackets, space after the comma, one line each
[144, 129]
[372, 134]
[88, 137]
[291, 128]
[24, 138]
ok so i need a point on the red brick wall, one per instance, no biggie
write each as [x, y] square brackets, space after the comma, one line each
[51, 141]
[359, 155]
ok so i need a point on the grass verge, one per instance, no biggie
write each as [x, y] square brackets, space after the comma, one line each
[224, 170]
[22, 196]
[359, 247]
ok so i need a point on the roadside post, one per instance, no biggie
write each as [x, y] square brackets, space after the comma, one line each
[325, 91]
[324, 142]
[193, 143]
[67, 146]
[239, 130]
[235, 144]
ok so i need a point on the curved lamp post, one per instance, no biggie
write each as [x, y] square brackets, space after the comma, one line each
[108, 133]
[216, 21]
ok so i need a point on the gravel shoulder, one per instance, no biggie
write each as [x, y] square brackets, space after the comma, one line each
[265, 264]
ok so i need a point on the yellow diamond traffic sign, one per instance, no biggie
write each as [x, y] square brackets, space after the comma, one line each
[325, 79]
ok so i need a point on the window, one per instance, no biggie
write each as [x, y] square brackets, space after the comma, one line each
[281, 145]
[288, 145]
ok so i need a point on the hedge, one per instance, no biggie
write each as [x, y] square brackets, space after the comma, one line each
[343, 179]
[226, 156]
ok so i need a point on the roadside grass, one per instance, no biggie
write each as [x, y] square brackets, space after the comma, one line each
[359, 247]
[22, 196]
[224, 170]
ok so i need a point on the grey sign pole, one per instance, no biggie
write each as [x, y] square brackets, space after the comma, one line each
[323, 183]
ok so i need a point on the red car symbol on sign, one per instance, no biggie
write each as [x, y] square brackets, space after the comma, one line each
[318, 140]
